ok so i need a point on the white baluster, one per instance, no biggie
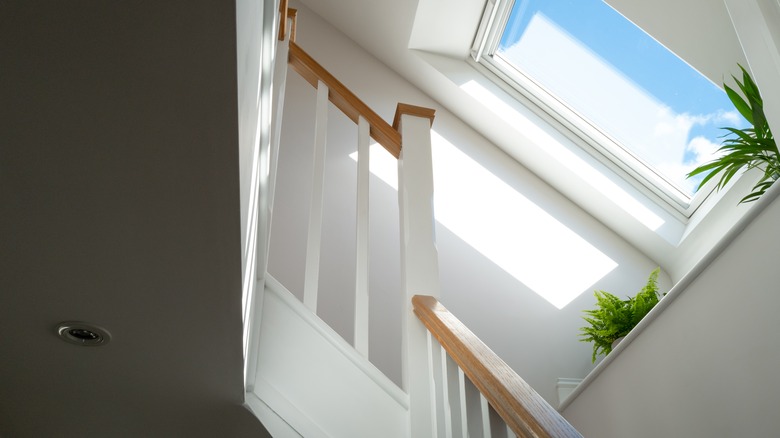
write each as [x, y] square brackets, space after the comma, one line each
[361, 270]
[438, 393]
[484, 410]
[314, 241]
[445, 394]
[464, 422]
[434, 367]
[419, 265]
[454, 397]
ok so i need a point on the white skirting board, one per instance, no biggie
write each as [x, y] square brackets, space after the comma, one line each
[565, 386]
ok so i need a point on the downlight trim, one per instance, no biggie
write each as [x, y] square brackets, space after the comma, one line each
[83, 334]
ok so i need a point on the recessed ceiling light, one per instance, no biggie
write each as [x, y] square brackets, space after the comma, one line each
[81, 333]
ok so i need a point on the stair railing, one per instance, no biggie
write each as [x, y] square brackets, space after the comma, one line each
[477, 393]
[437, 406]
[409, 140]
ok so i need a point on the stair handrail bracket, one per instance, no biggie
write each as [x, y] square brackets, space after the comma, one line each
[525, 412]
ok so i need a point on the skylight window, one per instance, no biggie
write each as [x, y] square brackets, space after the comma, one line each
[640, 105]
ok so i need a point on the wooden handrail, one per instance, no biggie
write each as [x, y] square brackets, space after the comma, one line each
[344, 99]
[417, 111]
[522, 408]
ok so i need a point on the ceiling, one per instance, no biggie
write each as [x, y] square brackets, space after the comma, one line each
[119, 205]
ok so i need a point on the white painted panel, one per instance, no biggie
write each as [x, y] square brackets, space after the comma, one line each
[276, 426]
[303, 365]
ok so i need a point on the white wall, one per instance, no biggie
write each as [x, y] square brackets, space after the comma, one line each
[707, 366]
[534, 337]
[249, 39]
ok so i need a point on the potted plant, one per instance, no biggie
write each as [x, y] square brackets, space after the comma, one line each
[748, 148]
[613, 317]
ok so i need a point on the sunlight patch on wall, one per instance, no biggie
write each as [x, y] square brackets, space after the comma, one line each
[504, 226]
[564, 156]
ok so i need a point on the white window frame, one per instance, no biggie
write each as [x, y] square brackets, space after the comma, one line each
[599, 144]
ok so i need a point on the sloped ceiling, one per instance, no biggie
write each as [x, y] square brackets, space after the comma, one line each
[119, 205]
[699, 31]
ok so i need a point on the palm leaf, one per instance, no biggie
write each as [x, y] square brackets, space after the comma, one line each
[739, 103]
[744, 149]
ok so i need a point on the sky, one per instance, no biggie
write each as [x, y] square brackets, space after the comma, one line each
[621, 79]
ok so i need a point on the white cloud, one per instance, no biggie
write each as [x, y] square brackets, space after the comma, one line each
[703, 151]
[731, 118]
[645, 125]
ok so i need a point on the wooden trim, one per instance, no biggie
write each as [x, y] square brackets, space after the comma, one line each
[412, 110]
[344, 99]
[282, 19]
[524, 411]
[293, 14]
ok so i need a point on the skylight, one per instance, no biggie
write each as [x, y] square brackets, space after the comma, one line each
[652, 113]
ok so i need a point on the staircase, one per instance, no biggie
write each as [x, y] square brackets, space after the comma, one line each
[303, 378]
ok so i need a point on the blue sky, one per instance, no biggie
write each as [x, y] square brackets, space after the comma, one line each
[637, 56]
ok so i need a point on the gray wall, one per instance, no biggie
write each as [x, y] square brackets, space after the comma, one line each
[119, 200]
[538, 340]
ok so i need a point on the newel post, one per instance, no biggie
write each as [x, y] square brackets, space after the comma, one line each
[419, 260]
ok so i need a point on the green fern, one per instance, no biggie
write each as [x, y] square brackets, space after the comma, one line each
[614, 317]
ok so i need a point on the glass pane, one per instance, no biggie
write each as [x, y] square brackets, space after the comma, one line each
[620, 79]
